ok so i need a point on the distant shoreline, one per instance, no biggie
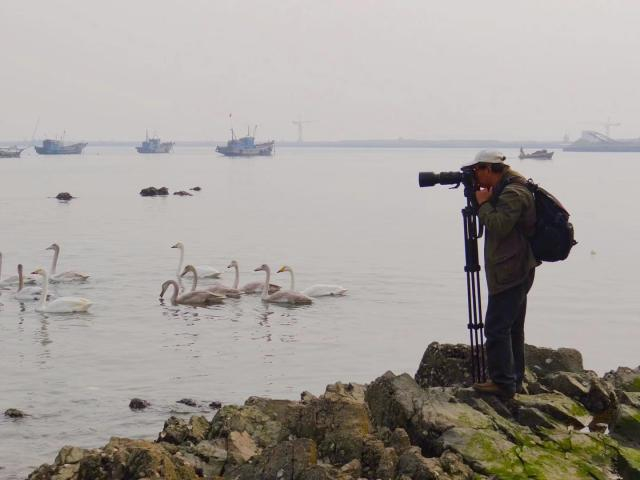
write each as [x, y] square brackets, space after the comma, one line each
[399, 143]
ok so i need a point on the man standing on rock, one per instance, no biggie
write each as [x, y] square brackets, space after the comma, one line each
[507, 211]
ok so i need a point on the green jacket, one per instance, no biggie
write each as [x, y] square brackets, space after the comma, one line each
[509, 219]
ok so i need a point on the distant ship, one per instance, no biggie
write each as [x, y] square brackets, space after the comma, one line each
[538, 154]
[57, 147]
[245, 147]
[591, 141]
[10, 152]
[154, 145]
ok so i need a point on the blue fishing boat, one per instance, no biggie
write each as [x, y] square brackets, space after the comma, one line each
[57, 147]
[245, 146]
[154, 145]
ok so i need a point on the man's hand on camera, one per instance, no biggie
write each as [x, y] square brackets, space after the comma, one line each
[483, 195]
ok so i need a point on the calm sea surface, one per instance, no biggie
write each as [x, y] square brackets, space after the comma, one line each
[354, 217]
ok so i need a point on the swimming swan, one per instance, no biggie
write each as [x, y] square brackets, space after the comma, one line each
[199, 298]
[13, 280]
[204, 271]
[61, 304]
[319, 290]
[27, 293]
[251, 287]
[281, 296]
[217, 288]
[65, 277]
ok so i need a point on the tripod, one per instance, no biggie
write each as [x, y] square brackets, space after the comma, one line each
[472, 269]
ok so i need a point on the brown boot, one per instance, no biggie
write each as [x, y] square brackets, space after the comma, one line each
[491, 388]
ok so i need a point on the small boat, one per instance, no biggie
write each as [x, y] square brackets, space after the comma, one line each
[11, 152]
[57, 147]
[245, 147]
[538, 155]
[154, 145]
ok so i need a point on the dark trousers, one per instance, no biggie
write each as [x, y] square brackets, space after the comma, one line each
[504, 332]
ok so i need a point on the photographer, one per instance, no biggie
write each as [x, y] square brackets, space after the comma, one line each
[507, 210]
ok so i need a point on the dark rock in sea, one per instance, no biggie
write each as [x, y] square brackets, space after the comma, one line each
[138, 404]
[394, 428]
[215, 405]
[14, 413]
[188, 401]
[182, 193]
[196, 189]
[64, 196]
[153, 191]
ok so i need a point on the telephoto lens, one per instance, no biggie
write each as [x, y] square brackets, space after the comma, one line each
[429, 179]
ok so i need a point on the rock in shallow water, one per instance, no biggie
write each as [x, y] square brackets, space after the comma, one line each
[14, 413]
[64, 196]
[138, 404]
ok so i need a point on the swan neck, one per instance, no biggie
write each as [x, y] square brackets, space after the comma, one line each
[236, 280]
[293, 280]
[194, 284]
[20, 280]
[0, 265]
[54, 263]
[265, 290]
[180, 260]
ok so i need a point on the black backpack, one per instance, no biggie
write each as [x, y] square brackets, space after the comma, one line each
[554, 236]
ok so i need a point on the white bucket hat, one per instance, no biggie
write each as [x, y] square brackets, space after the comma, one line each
[487, 156]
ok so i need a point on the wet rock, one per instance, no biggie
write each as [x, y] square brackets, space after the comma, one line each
[182, 193]
[153, 191]
[624, 378]
[196, 189]
[534, 418]
[445, 365]
[188, 401]
[64, 196]
[547, 360]
[138, 404]
[14, 413]
[630, 398]
[215, 405]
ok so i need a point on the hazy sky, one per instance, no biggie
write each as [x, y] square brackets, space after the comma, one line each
[109, 69]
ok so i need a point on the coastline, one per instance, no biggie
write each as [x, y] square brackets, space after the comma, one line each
[570, 424]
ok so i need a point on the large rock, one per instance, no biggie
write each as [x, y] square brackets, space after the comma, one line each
[177, 431]
[627, 424]
[543, 360]
[625, 379]
[263, 429]
[445, 365]
[558, 406]
[240, 447]
[120, 459]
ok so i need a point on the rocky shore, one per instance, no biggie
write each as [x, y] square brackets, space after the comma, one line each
[571, 424]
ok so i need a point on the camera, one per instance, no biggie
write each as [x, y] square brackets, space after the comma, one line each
[464, 176]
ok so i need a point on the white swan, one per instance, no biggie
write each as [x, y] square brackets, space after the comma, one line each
[14, 280]
[217, 288]
[66, 277]
[204, 271]
[61, 304]
[27, 293]
[198, 298]
[282, 296]
[251, 287]
[319, 290]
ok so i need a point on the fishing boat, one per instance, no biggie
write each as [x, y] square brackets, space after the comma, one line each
[538, 155]
[245, 146]
[11, 152]
[154, 145]
[57, 147]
